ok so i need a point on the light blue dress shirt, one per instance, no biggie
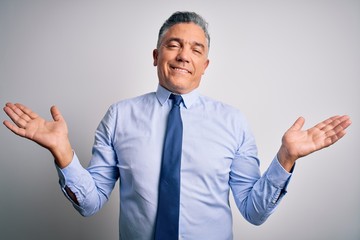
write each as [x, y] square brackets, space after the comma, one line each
[219, 153]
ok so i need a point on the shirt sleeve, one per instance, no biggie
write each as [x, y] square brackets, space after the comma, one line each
[92, 186]
[256, 196]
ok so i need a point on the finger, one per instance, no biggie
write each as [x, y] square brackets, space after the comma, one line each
[26, 110]
[330, 126]
[334, 138]
[18, 114]
[298, 124]
[346, 122]
[326, 122]
[338, 130]
[337, 123]
[55, 113]
[22, 115]
[339, 126]
[14, 128]
[337, 136]
[13, 112]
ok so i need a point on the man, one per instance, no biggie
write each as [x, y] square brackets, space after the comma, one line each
[217, 149]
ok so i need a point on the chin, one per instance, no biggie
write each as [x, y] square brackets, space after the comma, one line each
[183, 89]
[180, 86]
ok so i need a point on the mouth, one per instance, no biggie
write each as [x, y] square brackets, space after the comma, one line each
[180, 69]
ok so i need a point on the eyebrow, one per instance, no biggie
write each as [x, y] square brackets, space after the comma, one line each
[181, 40]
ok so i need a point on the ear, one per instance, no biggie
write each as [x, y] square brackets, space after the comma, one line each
[155, 56]
[206, 64]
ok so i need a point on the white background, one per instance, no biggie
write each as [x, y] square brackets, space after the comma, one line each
[274, 60]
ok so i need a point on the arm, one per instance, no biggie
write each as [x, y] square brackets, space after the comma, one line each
[92, 186]
[88, 188]
[52, 135]
[258, 196]
[297, 143]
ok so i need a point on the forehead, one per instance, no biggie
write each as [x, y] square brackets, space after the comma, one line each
[189, 32]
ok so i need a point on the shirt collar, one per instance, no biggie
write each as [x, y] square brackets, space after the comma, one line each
[163, 95]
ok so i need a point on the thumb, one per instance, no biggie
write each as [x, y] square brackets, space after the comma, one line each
[298, 124]
[56, 114]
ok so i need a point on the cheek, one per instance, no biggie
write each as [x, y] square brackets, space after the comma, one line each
[204, 66]
[200, 69]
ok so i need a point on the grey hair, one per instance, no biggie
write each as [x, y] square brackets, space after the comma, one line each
[184, 17]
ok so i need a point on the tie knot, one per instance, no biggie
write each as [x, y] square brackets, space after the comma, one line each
[177, 99]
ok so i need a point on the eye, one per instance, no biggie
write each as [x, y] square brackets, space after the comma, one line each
[197, 51]
[173, 45]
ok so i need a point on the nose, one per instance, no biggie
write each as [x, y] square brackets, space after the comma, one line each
[183, 55]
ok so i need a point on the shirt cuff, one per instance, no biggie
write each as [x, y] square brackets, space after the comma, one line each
[277, 175]
[69, 177]
[70, 174]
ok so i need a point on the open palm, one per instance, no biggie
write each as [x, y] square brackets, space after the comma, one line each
[30, 125]
[297, 143]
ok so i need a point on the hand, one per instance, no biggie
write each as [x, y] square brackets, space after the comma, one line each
[297, 143]
[52, 135]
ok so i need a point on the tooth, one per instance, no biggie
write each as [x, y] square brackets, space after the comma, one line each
[181, 70]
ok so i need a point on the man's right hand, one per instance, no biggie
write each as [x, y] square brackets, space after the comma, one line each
[52, 135]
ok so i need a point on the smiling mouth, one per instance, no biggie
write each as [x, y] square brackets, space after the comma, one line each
[181, 70]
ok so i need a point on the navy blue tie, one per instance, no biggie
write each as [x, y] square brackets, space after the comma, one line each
[167, 219]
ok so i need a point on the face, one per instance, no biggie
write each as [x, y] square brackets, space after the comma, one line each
[182, 58]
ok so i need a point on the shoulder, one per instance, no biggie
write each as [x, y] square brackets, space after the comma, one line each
[130, 106]
[219, 107]
[138, 101]
[224, 116]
